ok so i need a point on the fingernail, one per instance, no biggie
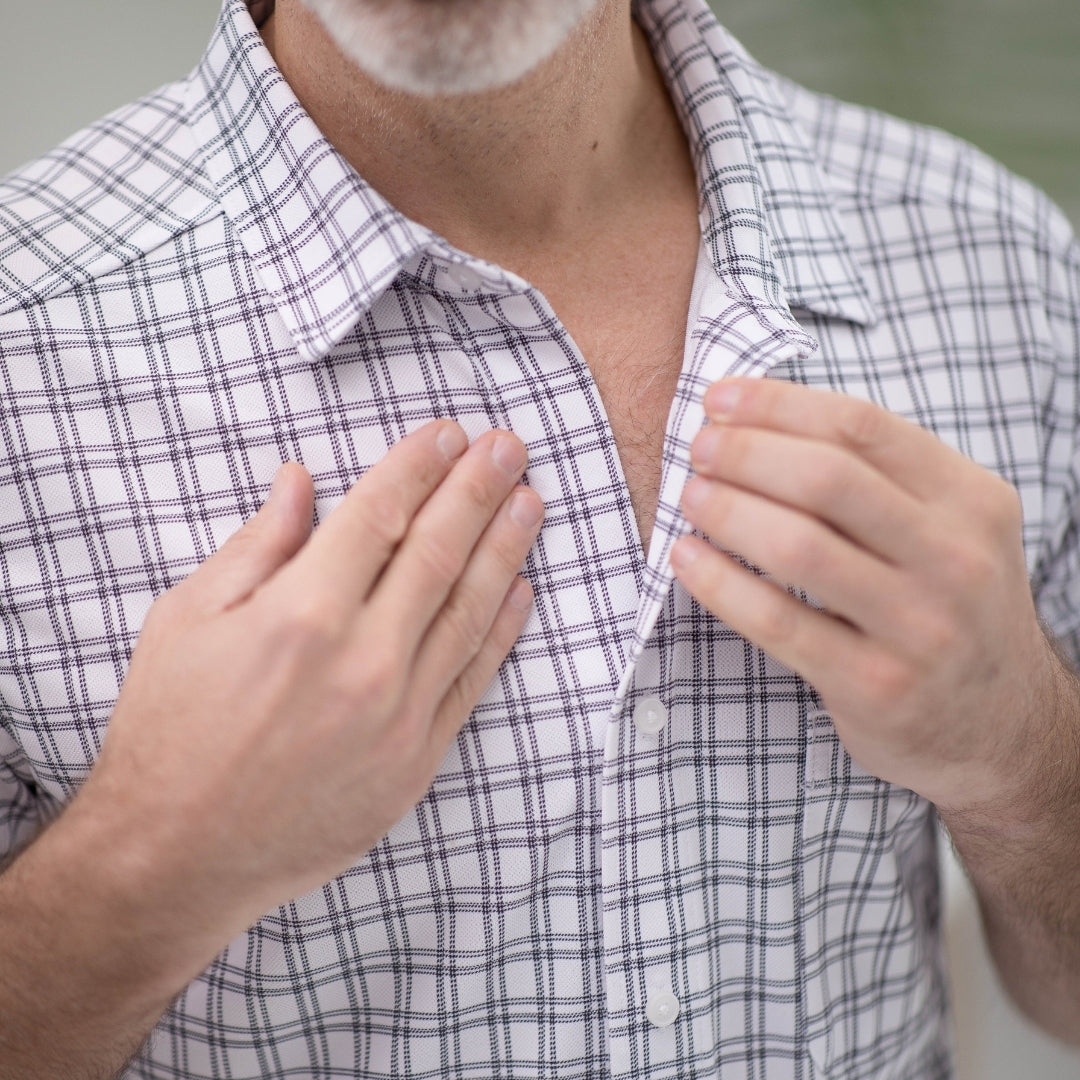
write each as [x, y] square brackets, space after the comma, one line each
[526, 509]
[452, 441]
[509, 454]
[704, 448]
[721, 399]
[683, 553]
[521, 595]
[693, 493]
[278, 486]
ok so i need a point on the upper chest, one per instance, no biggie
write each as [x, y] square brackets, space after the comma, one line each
[628, 319]
[133, 456]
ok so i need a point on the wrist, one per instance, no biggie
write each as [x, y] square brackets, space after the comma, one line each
[112, 908]
[88, 960]
[1029, 802]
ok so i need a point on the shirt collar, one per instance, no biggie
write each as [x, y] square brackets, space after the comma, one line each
[769, 217]
[326, 244]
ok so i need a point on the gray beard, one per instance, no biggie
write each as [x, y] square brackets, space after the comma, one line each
[448, 46]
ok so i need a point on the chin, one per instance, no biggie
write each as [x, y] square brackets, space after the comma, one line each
[436, 47]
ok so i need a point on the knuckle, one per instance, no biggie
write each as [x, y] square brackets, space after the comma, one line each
[860, 424]
[460, 700]
[467, 620]
[385, 518]
[370, 677]
[825, 485]
[258, 540]
[307, 624]
[938, 637]
[801, 555]
[251, 534]
[1008, 510]
[440, 559]
[776, 619]
[718, 508]
[375, 685]
[886, 680]
[470, 686]
[468, 691]
[509, 549]
[968, 566]
[979, 570]
[477, 493]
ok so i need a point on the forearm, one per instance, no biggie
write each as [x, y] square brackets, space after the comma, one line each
[1022, 855]
[86, 966]
[339, 663]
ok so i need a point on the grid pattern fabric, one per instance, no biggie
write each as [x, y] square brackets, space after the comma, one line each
[198, 287]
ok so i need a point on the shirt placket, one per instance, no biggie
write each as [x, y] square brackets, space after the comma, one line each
[648, 981]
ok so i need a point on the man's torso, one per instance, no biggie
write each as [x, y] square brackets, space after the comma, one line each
[627, 315]
[168, 336]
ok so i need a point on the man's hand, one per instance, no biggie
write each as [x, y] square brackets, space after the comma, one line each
[285, 705]
[292, 699]
[927, 650]
[928, 653]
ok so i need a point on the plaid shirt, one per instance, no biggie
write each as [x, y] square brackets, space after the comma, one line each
[199, 287]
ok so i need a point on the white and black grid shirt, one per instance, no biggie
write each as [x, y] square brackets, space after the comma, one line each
[199, 288]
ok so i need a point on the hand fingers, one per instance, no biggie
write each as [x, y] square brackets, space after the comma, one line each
[349, 550]
[466, 690]
[464, 624]
[808, 641]
[797, 550]
[818, 478]
[256, 551]
[913, 458]
[441, 539]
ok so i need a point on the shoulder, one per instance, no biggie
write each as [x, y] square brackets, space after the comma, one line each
[104, 198]
[876, 162]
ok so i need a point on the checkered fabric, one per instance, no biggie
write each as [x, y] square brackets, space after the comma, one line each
[198, 288]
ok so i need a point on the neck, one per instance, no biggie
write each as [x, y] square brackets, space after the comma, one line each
[533, 167]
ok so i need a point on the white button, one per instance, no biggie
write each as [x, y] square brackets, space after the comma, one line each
[650, 716]
[466, 279]
[662, 1008]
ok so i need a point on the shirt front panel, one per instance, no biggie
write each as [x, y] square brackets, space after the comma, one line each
[564, 867]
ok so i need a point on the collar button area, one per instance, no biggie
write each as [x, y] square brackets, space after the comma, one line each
[466, 279]
[650, 716]
[662, 1008]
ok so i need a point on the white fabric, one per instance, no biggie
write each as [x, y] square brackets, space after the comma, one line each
[199, 287]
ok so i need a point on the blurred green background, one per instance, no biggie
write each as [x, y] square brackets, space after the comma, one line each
[1004, 74]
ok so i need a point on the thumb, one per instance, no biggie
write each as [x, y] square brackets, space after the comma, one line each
[254, 553]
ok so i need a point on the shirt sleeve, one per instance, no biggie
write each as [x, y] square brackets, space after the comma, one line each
[21, 814]
[1056, 578]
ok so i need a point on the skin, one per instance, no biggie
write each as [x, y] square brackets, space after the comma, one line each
[383, 626]
[381, 629]
[928, 654]
[514, 173]
[578, 178]
[451, 47]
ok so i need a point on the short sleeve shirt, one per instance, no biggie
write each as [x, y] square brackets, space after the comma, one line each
[647, 854]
